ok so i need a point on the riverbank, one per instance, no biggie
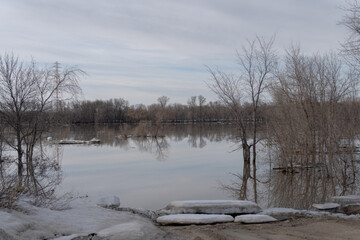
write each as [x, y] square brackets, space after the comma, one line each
[74, 220]
[312, 228]
[83, 219]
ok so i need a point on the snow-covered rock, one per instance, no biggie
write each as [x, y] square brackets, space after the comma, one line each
[255, 218]
[326, 206]
[344, 200]
[232, 207]
[95, 141]
[187, 219]
[282, 211]
[109, 202]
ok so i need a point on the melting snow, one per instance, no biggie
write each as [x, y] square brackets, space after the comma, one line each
[255, 218]
[194, 219]
[82, 219]
[112, 201]
[326, 206]
[213, 207]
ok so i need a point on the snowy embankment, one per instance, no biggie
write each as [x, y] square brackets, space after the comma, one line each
[232, 207]
[107, 220]
[81, 219]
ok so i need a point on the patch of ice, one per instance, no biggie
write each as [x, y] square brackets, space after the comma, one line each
[140, 211]
[82, 219]
[326, 206]
[343, 200]
[70, 237]
[213, 207]
[291, 211]
[72, 142]
[344, 216]
[185, 219]
[127, 230]
[281, 211]
[133, 230]
[95, 140]
[255, 218]
[111, 202]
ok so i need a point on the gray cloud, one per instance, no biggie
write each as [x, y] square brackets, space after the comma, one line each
[160, 41]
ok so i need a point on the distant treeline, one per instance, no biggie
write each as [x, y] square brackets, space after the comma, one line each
[120, 111]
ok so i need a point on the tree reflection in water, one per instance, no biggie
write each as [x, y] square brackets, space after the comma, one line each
[300, 184]
[41, 177]
[156, 145]
[305, 184]
[286, 176]
[148, 137]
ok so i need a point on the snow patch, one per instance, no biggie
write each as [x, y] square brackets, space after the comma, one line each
[281, 211]
[70, 237]
[126, 230]
[186, 219]
[82, 219]
[343, 200]
[326, 206]
[109, 202]
[255, 218]
[231, 207]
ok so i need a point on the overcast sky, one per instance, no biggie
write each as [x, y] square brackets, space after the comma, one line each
[140, 50]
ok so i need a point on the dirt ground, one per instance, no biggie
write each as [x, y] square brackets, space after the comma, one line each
[294, 229]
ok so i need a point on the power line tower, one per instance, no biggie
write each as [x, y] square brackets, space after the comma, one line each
[58, 150]
[57, 79]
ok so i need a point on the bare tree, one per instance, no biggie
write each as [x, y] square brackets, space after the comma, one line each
[310, 127]
[163, 100]
[27, 98]
[257, 61]
[202, 101]
[351, 20]
[192, 105]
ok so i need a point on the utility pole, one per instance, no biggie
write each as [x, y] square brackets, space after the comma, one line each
[58, 153]
[57, 79]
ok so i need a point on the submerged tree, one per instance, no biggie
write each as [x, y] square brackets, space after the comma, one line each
[312, 118]
[257, 61]
[28, 96]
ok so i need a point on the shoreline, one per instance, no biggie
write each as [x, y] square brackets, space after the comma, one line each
[321, 227]
[85, 220]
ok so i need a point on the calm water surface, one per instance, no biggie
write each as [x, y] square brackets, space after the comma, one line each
[193, 162]
[190, 162]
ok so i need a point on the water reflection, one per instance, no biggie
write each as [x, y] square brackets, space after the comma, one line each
[305, 184]
[148, 138]
[285, 176]
[156, 145]
[41, 175]
[239, 186]
[190, 162]
[298, 179]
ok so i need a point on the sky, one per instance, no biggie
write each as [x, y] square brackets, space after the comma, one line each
[140, 50]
